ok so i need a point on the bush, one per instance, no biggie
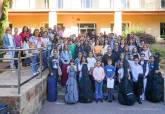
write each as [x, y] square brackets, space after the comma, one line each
[147, 38]
[158, 48]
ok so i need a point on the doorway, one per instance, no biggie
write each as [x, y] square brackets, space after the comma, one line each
[86, 28]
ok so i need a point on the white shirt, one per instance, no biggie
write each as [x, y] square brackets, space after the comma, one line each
[136, 69]
[121, 73]
[91, 62]
[147, 54]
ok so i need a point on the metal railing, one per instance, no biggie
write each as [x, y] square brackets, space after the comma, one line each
[19, 67]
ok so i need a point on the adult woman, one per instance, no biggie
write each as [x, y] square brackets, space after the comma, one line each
[35, 42]
[24, 34]
[85, 86]
[97, 50]
[72, 49]
[8, 43]
[65, 59]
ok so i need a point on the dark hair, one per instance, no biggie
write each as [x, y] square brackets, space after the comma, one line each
[35, 30]
[24, 28]
[82, 59]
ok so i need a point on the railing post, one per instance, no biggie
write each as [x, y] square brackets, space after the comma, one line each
[41, 63]
[19, 72]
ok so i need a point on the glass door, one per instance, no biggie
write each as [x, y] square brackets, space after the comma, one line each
[86, 27]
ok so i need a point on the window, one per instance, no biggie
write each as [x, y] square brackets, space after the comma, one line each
[124, 4]
[86, 3]
[60, 3]
[111, 3]
[162, 3]
[124, 26]
[162, 29]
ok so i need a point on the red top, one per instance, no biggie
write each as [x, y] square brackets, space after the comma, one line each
[24, 35]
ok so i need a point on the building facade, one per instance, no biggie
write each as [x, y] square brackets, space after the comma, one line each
[79, 16]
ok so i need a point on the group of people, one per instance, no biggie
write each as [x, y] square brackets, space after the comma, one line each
[90, 66]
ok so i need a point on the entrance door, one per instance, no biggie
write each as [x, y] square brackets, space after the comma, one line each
[86, 27]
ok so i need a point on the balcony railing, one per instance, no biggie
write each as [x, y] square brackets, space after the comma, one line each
[111, 4]
[90, 4]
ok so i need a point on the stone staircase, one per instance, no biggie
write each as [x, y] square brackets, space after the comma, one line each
[60, 94]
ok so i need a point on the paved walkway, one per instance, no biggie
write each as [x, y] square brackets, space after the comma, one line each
[103, 108]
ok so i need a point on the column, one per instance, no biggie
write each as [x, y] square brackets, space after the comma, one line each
[118, 22]
[52, 13]
[52, 18]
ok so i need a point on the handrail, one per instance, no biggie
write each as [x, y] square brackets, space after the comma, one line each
[19, 68]
[21, 49]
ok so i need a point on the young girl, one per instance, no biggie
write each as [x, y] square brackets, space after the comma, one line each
[71, 95]
[85, 87]
[98, 74]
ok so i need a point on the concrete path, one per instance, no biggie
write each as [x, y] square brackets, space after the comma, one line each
[103, 108]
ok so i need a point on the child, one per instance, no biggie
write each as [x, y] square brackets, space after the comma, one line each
[71, 95]
[98, 74]
[137, 77]
[110, 73]
[85, 87]
[91, 64]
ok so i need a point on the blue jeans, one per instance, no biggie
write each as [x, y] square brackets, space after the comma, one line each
[110, 94]
[35, 63]
[98, 90]
[11, 54]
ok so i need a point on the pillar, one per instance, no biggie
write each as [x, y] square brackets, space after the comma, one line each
[118, 22]
[52, 18]
[52, 13]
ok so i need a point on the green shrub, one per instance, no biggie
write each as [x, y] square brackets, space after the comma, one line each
[148, 38]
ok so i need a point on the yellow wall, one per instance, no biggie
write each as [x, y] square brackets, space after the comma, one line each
[150, 23]
[32, 20]
[102, 21]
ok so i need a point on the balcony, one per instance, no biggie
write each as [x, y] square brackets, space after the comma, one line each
[110, 5]
[88, 5]
[29, 5]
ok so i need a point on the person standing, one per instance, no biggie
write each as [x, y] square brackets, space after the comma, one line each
[85, 86]
[137, 77]
[35, 42]
[99, 75]
[110, 73]
[65, 57]
[8, 43]
[71, 96]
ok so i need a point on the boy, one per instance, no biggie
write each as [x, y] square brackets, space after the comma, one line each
[98, 75]
[110, 73]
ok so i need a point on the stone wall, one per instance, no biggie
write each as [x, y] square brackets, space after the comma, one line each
[31, 98]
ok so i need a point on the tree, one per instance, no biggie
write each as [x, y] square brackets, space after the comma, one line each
[4, 17]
